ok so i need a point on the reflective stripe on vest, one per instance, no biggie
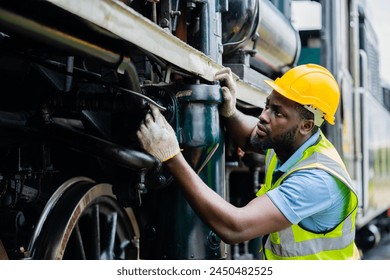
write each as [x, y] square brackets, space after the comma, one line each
[298, 243]
[312, 246]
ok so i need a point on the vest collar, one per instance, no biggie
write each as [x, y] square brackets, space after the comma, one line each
[298, 154]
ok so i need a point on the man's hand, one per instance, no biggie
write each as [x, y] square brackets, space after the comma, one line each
[157, 137]
[228, 107]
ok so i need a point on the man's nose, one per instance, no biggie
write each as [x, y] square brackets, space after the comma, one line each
[264, 116]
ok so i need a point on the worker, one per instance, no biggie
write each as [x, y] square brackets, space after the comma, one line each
[307, 206]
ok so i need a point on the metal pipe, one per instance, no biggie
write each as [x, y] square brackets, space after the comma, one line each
[106, 150]
[259, 26]
[13, 22]
[13, 120]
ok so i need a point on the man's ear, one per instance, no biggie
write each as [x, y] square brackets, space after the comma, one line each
[306, 126]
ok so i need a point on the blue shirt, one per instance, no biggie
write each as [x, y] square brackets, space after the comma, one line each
[311, 198]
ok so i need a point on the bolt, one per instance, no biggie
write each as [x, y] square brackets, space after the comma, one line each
[164, 23]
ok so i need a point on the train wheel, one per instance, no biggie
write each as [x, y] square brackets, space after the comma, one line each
[83, 220]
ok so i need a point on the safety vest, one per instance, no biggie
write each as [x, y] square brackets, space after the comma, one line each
[294, 242]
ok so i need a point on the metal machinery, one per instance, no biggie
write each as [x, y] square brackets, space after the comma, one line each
[76, 80]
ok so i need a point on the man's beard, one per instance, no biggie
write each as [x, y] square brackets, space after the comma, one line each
[284, 141]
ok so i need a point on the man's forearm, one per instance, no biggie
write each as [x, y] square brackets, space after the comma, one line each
[240, 127]
[212, 208]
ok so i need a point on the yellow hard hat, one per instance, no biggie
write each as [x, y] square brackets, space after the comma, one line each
[312, 86]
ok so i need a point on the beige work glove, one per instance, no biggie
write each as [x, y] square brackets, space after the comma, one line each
[228, 86]
[157, 137]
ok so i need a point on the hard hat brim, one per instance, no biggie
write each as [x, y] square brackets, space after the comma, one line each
[277, 88]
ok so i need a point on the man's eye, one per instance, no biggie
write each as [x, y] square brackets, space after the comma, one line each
[277, 113]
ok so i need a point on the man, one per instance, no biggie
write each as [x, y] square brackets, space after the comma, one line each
[307, 204]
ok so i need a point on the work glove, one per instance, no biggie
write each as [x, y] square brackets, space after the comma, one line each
[228, 87]
[157, 137]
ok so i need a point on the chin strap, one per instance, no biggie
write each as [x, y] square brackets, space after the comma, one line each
[318, 115]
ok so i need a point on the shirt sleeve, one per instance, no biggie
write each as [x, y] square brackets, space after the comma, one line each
[303, 194]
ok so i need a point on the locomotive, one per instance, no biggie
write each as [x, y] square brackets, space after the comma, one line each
[77, 78]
